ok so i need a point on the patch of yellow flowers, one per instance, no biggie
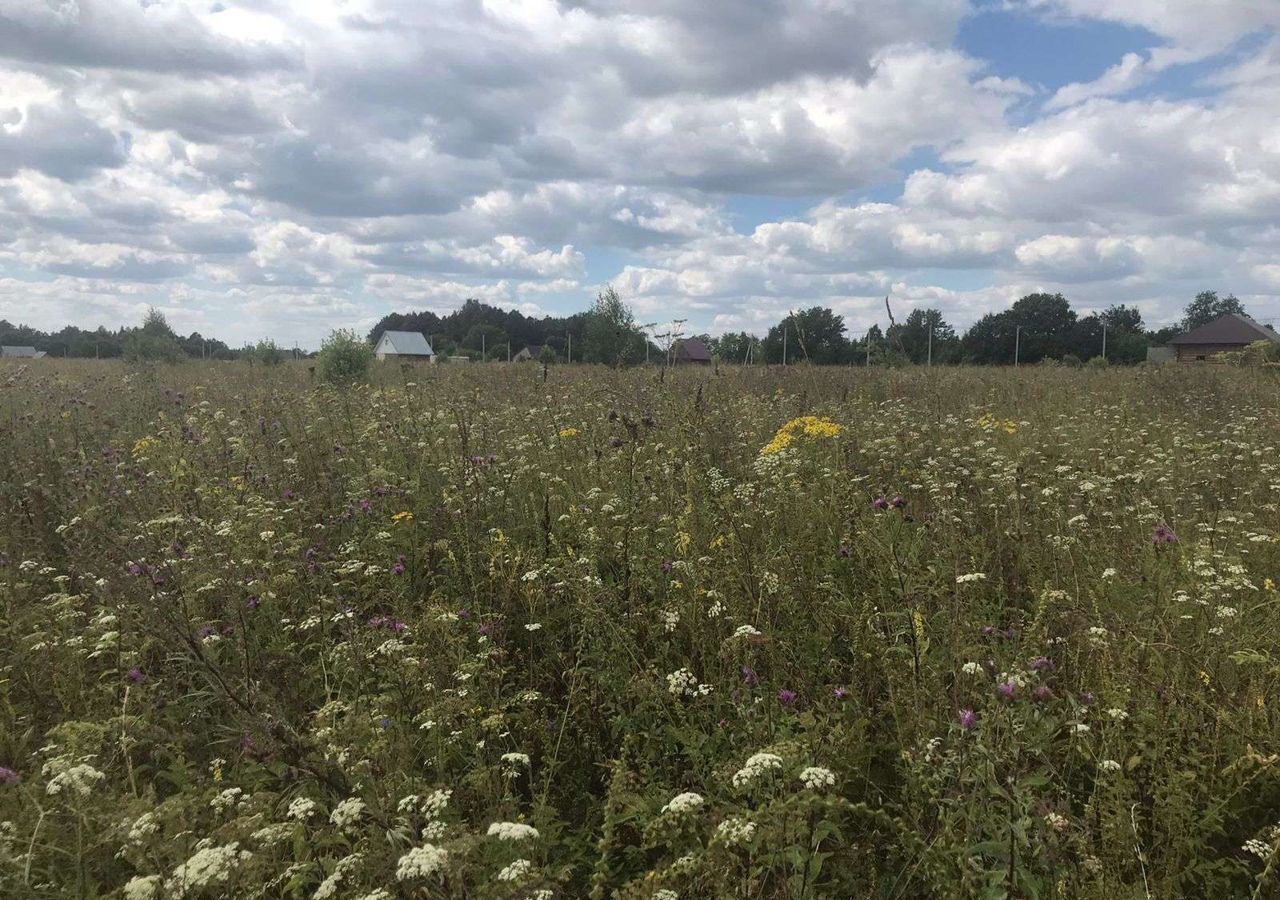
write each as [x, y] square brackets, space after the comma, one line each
[812, 427]
[566, 433]
[991, 423]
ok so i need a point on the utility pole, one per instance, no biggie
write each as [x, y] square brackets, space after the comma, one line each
[1104, 340]
[868, 340]
[484, 354]
[508, 351]
[930, 345]
[1017, 344]
[644, 329]
[569, 351]
[784, 343]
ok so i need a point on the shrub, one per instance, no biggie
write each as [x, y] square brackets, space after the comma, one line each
[1098, 362]
[344, 357]
[266, 353]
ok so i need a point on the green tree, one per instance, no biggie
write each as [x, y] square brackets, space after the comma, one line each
[345, 357]
[1208, 306]
[815, 335]
[155, 341]
[610, 335]
[911, 338]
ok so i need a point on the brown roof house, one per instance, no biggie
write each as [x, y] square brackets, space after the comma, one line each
[690, 352]
[1228, 333]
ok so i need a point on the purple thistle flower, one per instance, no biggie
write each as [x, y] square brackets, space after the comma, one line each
[897, 502]
[253, 602]
[136, 675]
[1042, 694]
[844, 551]
[1163, 534]
[968, 719]
[667, 565]
[206, 630]
[8, 777]
[787, 697]
[1086, 698]
[842, 693]
[397, 569]
[1007, 689]
[246, 743]
[749, 676]
[879, 503]
[1040, 664]
[384, 723]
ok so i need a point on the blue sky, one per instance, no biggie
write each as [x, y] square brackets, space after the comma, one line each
[279, 170]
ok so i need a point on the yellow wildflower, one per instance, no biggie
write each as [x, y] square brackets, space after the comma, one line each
[812, 427]
[404, 516]
[1268, 584]
[566, 433]
[143, 445]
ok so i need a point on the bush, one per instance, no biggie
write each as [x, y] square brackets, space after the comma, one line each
[344, 357]
[144, 347]
[266, 353]
[1072, 361]
[1098, 362]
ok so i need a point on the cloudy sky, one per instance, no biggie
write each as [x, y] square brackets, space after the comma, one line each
[278, 168]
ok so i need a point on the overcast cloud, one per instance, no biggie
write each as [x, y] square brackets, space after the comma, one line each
[278, 168]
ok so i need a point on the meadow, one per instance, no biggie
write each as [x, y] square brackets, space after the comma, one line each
[808, 633]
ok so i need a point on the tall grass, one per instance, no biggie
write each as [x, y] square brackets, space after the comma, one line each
[466, 632]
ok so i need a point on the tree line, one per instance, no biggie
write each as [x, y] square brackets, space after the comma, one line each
[1038, 326]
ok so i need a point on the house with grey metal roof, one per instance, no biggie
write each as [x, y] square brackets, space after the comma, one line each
[1222, 335]
[10, 352]
[408, 345]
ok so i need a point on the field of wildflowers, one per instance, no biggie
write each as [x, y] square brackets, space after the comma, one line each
[755, 634]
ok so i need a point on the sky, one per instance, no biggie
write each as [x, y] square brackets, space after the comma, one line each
[280, 168]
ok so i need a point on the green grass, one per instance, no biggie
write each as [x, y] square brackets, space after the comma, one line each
[260, 637]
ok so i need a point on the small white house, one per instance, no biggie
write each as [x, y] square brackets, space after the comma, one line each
[21, 353]
[407, 345]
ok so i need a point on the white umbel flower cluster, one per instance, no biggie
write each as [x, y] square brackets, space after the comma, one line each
[757, 766]
[142, 887]
[681, 803]
[301, 809]
[683, 683]
[516, 870]
[421, 862]
[212, 865]
[348, 812]
[816, 778]
[512, 831]
[79, 779]
[735, 831]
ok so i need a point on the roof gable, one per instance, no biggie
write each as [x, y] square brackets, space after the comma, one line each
[692, 348]
[1228, 329]
[12, 351]
[404, 343]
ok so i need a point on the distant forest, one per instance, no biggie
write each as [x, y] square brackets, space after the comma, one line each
[1038, 326]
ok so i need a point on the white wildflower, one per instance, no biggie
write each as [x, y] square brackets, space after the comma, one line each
[210, 865]
[512, 831]
[971, 577]
[971, 668]
[1109, 765]
[1056, 821]
[143, 827]
[516, 870]
[142, 887]
[348, 812]
[734, 831]
[1117, 714]
[79, 779]
[421, 862]
[302, 808]
[1260, 849]
[745, 631]
[759, 764]
[816, 778]
[685, 802]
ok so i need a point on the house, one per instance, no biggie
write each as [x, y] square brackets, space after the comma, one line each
[532, 353]
[10, 352]
[1230, 332]
[406, 345]
[690, 352]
